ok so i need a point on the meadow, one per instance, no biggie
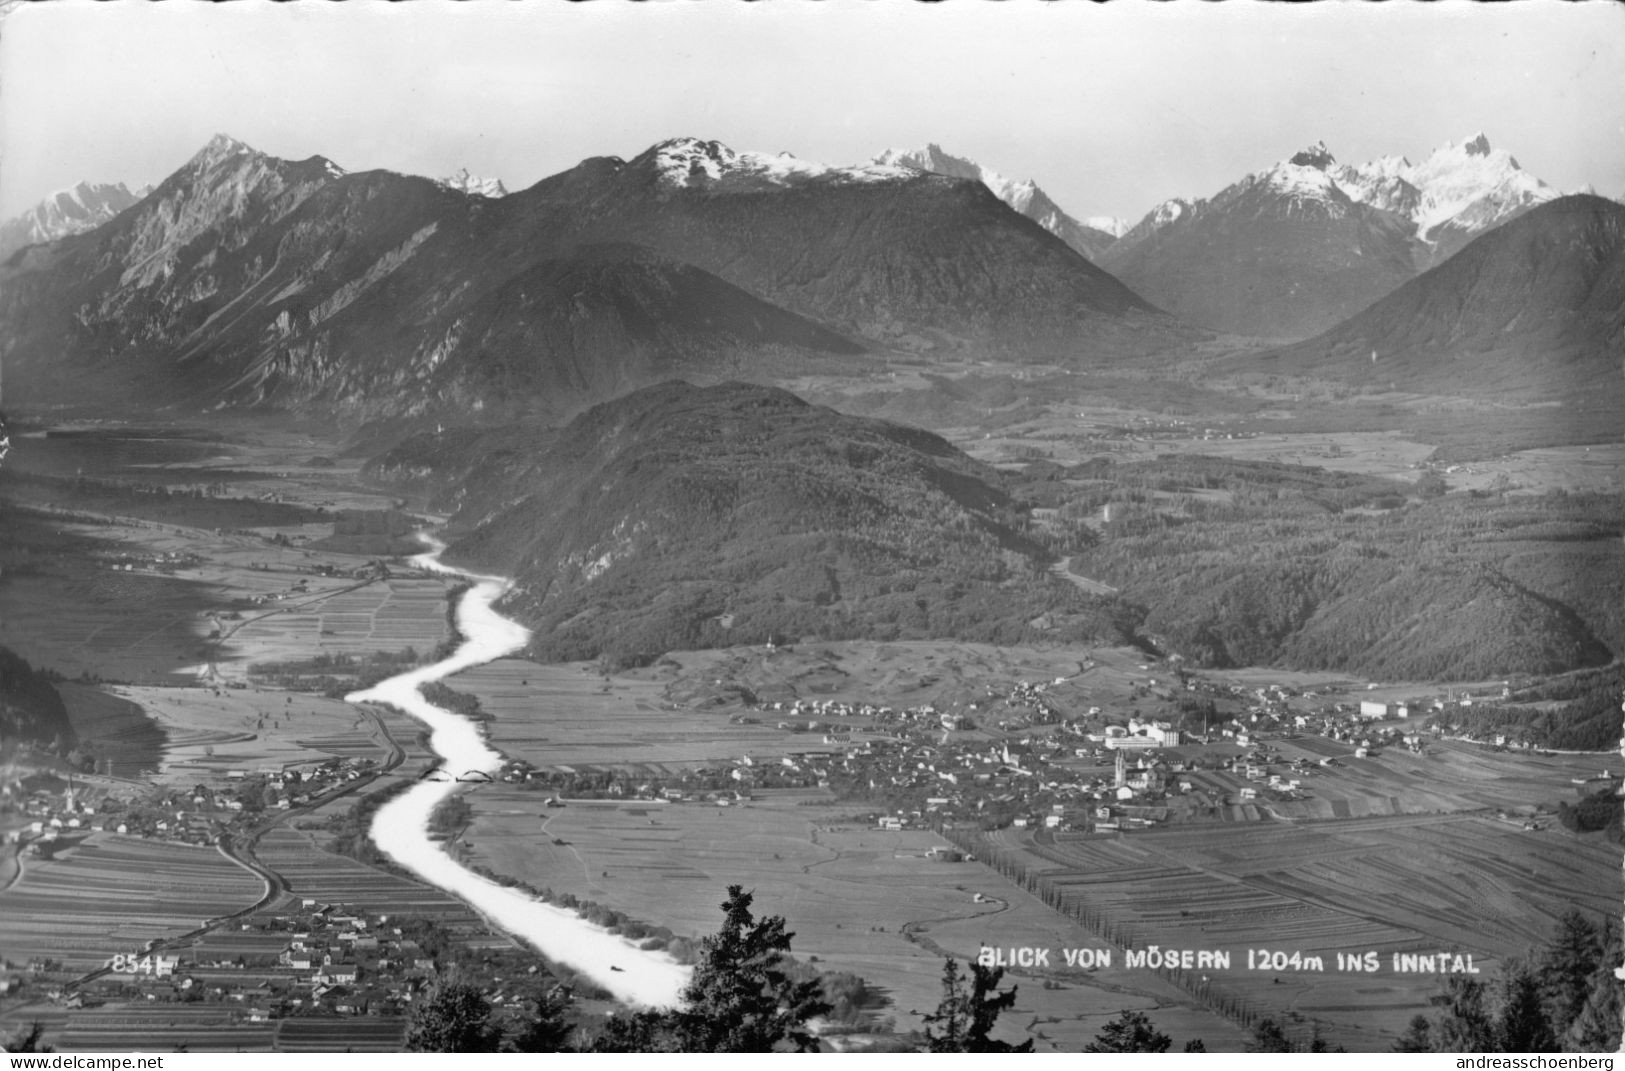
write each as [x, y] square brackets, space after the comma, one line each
[126, 743]
[856, 898]
[1399, 852]
[210, 731]
[311, 872]
[570, 715]
[340, 618]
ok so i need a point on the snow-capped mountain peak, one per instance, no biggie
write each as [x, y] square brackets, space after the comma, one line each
[77, 209]
[1472, 186]
[931, 153]
[1316, 156]
[692, 162]
[681, 160]
[1116, 226]
[1163, 215]
[1091, 238]
[473, 185]
[935, 159]
[1168, 211]
[1461, 188]
[938, 161]
[1301, 180]
[1474, 157]
[1305, 177]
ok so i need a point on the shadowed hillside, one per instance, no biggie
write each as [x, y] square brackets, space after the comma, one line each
[680, 517]
[1533, 309]
[30, 708]
[1299, 567]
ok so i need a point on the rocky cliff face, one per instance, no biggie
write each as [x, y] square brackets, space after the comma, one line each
[247, 280]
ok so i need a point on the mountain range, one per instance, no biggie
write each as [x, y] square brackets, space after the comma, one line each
[79, 208]
[1090, 237]
[1289, 251]
[245, 279]
[1534, 309]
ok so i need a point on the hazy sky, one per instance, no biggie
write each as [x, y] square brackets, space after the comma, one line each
[1111, 108]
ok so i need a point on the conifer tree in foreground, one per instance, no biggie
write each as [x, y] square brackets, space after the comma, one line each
[963, 1021]
[740, 998]
[1130, 1032]
[1565, 999]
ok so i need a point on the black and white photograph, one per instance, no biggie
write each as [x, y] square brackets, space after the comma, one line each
[812, 526]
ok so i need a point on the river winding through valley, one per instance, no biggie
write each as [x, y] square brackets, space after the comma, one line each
[401, 827]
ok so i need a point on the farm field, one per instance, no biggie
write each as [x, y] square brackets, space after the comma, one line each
[906, 674]
[89, 620]
[1462, 883]
[1069, 432]
[952, 676]
[163, 1028]
[1450, 776]
[212, 730]
[1369, 453]
[853, 896]
[78, 615]
[220, 1028]
[312, 873]
[1574, 468]
[381, 616]
[126, 741]
[569, 715]
[1092, 425]
[108, 894]
[348, 1034]
[250, 457]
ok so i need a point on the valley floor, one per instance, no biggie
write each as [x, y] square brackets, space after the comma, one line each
[199, 669]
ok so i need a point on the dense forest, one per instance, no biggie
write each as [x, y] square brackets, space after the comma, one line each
[372, 532]
[1574, 712]
[1242, 564]
[30, 708]
[682, 518]
[679, 518]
